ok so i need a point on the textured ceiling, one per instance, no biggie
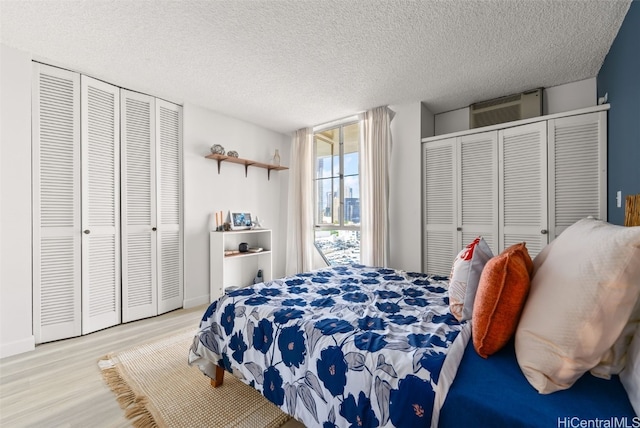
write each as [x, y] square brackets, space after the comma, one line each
[287, 64]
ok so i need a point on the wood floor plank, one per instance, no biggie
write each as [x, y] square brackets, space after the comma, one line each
[59, 384]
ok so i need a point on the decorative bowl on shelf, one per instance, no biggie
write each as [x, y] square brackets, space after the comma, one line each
[217, 149]
[232, 154]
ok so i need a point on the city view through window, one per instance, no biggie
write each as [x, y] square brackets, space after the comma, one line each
[337, 193]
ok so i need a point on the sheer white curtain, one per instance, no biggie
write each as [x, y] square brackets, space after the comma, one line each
[300, 213]
[375, 157]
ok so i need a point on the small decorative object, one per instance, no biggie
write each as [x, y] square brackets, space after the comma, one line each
[232, 154]
[276, 158]
[257, 224]
[243, 247]
[259, 278]
[240, 221]
[217, 149]
[219, 221]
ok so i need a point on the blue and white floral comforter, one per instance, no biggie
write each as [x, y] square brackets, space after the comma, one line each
[342, 346]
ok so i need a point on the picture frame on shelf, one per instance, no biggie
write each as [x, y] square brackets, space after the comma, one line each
[240, 221]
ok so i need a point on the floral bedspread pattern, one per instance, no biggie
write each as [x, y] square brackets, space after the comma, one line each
[343, 346]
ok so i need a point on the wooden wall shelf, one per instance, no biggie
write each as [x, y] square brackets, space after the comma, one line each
[247, 163]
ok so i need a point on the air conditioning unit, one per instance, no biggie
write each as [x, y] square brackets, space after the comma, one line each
[506, 109]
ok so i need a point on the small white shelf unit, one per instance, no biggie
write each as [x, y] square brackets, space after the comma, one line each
[238, 270]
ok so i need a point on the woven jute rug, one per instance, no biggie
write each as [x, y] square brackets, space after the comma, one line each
[156, 387]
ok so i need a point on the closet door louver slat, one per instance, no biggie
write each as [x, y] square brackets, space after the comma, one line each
[523, 180]
[100, 153]
[439, 187]
[139, 241]
[171, 268]
[168, 152]
[478, 191]
[577, 182]
[56, 204]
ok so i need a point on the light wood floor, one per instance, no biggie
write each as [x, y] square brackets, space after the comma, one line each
[59, 384]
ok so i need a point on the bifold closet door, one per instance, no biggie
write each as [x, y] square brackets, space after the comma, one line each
[139, 219]
[440, 182]
[56, 204]
[100, 166]
[522, 154]
[169, 234]
[478, 189]
[577, 170]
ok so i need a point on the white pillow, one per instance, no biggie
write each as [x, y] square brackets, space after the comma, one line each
[585, 286]
[630, 376]
[465, 276]
[614, 360]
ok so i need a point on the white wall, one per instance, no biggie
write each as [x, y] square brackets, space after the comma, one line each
[572, 96]
[557, 99]
[428, 122]
[16, 333]
[452, 121]
[206, 191]
[405, 219]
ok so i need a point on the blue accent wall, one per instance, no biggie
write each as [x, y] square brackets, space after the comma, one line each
[620, 78]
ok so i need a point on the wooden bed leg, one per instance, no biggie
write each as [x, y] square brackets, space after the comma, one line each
[219, 377]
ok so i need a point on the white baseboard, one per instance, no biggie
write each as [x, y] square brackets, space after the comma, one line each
[197, 301]
[17, 347]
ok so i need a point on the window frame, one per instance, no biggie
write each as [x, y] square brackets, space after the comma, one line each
[341, 124]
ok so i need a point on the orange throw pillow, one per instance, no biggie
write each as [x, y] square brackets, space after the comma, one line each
[502, 291]
[521, 248]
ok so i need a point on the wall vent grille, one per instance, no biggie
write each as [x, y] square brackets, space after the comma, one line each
[506, 109]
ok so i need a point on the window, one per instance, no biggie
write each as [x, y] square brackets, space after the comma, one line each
[337, 193]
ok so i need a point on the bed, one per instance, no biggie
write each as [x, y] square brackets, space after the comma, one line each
[342, 346]
[362, 346]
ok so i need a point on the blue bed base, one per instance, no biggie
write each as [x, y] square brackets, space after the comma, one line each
[495, 393]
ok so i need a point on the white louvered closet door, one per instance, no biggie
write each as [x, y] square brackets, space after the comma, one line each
[522, 152]
[138, 166]
[478, 189]
[169, 173]
[577, 170]
[100, 154]
[56, 203]
[440, 239]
